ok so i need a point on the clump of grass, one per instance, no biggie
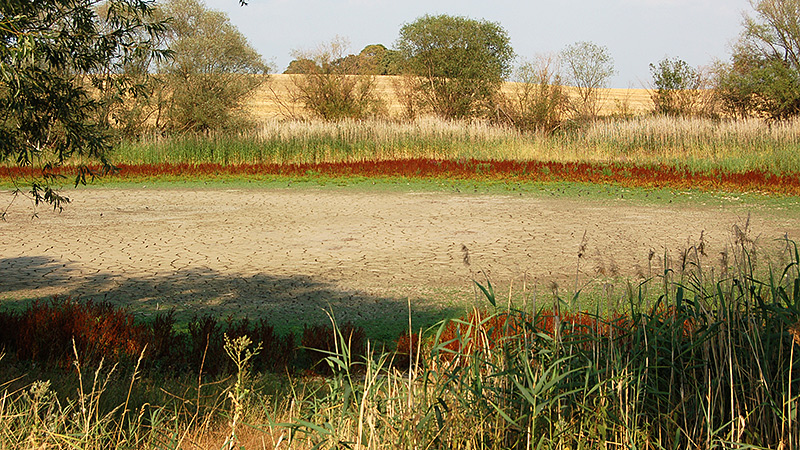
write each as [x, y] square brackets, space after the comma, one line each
[319, 341]
[292, 142]
[706, 365]
[35, 417]
[698, 144]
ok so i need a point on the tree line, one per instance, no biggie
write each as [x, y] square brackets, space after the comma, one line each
[78, 75]
[455, 66]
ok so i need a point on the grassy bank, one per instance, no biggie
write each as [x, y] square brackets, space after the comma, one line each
[649, 152]
[689, 359]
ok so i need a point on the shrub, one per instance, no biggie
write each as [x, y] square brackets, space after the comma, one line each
[165, 347]
[44, 332]
[47, 329]
[205, 350]
[334, 87]
[406, 347]
[277, 352]
[538, 101]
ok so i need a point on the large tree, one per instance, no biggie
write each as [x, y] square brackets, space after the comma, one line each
[458, 63]
[48, 51]
[376, 59]
[213, 69]
[763, 77]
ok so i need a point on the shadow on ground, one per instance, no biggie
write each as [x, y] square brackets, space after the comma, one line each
[288, 302]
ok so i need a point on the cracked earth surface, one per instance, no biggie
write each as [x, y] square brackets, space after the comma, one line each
[291, 253]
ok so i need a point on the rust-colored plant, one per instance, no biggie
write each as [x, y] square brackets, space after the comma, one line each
[406, 346]
[622, 174]
[46, 330]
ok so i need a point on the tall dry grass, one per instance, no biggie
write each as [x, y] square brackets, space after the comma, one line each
[696, 144]
[730, 145]
[709, 363]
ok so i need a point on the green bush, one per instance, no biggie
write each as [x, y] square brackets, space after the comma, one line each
[212, 70]
[676, 87]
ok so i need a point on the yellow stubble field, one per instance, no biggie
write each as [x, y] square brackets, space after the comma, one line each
[274, 99]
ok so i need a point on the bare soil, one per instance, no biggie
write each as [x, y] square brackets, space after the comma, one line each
[288, 254]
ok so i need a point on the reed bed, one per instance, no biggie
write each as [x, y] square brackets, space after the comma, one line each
[688, 359]
[701, 144]
[296, 142]
[703, 366]
[689, 143]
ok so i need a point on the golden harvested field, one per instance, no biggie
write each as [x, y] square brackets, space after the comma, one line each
[273, 99]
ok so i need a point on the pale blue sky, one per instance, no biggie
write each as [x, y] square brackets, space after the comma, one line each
[636, 32]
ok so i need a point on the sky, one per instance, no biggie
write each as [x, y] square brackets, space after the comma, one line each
[636, 32]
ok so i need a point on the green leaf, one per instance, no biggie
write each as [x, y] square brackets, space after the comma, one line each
[488, 292]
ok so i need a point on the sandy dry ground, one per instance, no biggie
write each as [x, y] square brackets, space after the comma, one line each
[289, 253]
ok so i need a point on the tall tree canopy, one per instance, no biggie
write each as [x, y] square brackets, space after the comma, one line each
[763, 78]
[48, 51]
[459, 63]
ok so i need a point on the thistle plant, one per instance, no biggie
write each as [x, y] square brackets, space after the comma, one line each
[239, 352]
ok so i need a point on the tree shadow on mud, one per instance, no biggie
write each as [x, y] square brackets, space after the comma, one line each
[287, 302]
